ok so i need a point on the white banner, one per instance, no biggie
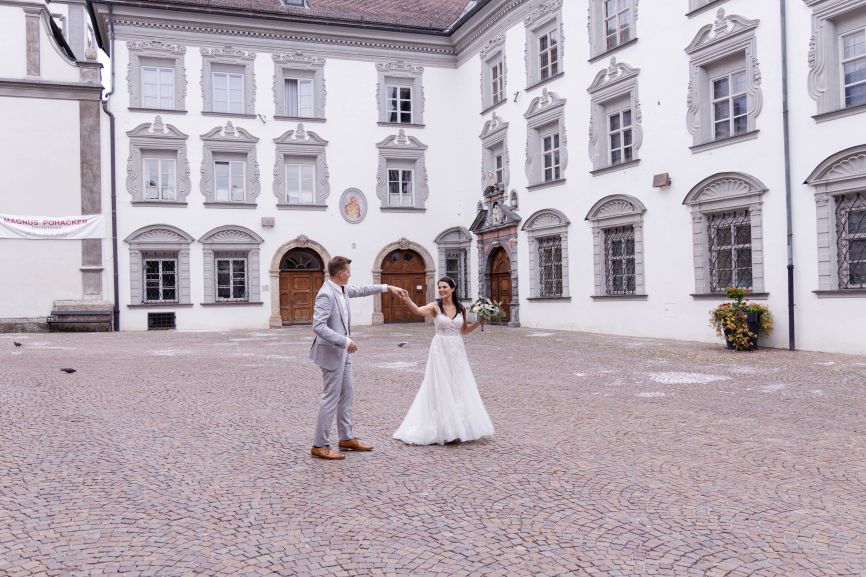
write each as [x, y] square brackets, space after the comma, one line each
[52, 227]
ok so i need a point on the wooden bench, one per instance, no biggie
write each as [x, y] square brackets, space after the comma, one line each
[81, 317]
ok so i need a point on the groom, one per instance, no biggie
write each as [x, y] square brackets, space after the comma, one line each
[332, 323]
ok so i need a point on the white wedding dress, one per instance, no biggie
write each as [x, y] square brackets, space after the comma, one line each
[447, 406]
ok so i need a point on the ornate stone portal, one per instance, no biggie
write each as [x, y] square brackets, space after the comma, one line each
[495, 227]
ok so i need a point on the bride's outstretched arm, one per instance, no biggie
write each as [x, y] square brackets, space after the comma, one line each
[427, 310]
[469, 327]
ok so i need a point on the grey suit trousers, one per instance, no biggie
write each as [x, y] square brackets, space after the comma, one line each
[336, 398]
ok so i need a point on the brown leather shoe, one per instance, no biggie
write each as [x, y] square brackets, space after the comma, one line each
[326, 453]
[355, 445]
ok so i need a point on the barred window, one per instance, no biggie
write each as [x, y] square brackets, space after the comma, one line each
[619, 261]
[231, 274]
[730, 250]
[160, 278]
[550, 266]
[851, 240]
[455, 267]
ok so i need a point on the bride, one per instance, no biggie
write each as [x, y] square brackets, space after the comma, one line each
[447, 407]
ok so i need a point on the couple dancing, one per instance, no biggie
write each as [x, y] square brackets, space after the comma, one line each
[446, 408]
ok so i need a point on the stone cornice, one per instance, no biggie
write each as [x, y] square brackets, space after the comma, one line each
[14, 87]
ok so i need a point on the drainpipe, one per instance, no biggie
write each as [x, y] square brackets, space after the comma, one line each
[113, 172]
[789, 223]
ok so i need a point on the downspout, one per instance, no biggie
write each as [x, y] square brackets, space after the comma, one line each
[113, 172]
[786, 138]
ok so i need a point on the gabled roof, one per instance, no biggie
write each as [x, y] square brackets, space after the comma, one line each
[422, 15]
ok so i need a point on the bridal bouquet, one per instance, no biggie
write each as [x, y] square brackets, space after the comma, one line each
[487, 309]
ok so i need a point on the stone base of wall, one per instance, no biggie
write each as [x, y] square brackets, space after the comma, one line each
[21, 325]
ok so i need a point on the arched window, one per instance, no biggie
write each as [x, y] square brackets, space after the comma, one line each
[231, 266]
[617, 240]
[547, 230]
[159, 266]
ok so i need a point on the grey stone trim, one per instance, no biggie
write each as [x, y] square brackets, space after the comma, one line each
[237, 239]
[850, 111]
[455, 240]
[723, 192]
[159, 110]
[160, 306]
[545, 82]
[545, 223]
[301, 241]
[615, 85]
[714, 144]
[492, 52]
[548, 184]
[753, 296]
[233, 304]
[409, 73]
[31, 23]
[544, 112]
[90, 143]
[700, 6]
[472, 35]
[612, 51]
[545, 16]
[158, 238]
[847, 293]
[493, 107]
[824, 83]
[614, 211]
[402, 244]
[548, 299]
[228, 56]
[229, 139]
[32, 88]
[402, 147]
[727, 36]
[279, 118]
[494, 136]
[615, 167]
[614, 298]
[302, 143]
[169, 53]
[839, 174]
[596, 30]
[156, 136]
[507, 239]
[401, 124]
[299, 65]
[228, 115]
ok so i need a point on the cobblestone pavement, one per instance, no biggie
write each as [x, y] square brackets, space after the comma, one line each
[187, 454]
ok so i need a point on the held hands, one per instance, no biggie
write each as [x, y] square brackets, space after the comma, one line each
[398, 292]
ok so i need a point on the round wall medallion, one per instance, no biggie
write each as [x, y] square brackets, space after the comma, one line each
[353, 205]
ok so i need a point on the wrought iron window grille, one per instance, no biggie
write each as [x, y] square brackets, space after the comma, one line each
[550, 266]
[619, 261]
[851, 240]
[729, 237]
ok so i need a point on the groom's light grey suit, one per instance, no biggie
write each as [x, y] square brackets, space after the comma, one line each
[332, 323]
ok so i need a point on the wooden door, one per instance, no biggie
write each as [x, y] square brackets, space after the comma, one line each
[405, 269]
[301, 277]
[500, 281]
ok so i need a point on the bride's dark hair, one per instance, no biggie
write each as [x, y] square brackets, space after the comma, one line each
[450, 282]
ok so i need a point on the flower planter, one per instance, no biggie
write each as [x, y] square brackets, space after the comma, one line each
[753, 321]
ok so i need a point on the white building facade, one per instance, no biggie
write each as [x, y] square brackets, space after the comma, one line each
[603, 166]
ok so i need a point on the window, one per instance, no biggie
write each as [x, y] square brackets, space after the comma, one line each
[402, 173]
[546, 156]
[160, 278]
[614, 106]
[228, 82]
[159, 266]
[299, 86]
[493, 72]
[611, 25]
[499, 169]
[400, 93]
[617, 232]
[301, 179]
[494, 157]
[230, 171]
[455, 267]
[231, 266]
[157, 76]
[454, 244]
[727, 232]
[724, 97]
[160, 182]
[851, 240]
[547, 232]
[157, 167]
[543, 42]
[497, 81]
[730, 110]
[837, 57]
[299, 97]
[157, 87]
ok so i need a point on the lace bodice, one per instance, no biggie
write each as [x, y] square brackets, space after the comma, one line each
[446, 326]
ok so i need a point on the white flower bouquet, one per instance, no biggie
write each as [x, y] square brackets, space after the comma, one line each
[487, 309]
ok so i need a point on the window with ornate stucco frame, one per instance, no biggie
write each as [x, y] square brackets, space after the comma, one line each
[234, 61]
[229, 145]
[454, 244]
[545, 117]
[617, 241]
[719, 52]
[839, 183]
[237, 245]
[399, 154]
[547, 233]
[302, 69]
[698, 6]
[156, 55]
[727, 200]
[544, 43]
[301, 148]
[833, 21]
[157, 141]
[494, 153]
[392, 76]
[611, 25]
[158, 242]
[615, 124]
[494, 73]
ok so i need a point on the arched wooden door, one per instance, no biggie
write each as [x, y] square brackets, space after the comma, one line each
[301, 277]
[405, 269]
[500, 280]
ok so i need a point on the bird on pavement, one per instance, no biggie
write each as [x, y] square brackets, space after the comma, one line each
[17, 344]
[68, 370]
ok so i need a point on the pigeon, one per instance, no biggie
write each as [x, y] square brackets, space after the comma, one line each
[403, 344]
[68, 370]
[17, 344]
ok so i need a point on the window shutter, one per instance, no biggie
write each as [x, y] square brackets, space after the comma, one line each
[305, 99]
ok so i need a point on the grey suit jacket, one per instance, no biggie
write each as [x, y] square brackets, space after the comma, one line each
[331, 328]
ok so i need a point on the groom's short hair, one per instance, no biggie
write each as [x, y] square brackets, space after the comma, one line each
[337, 264]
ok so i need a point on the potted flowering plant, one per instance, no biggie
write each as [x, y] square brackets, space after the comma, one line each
[487, 309]
[741, 321]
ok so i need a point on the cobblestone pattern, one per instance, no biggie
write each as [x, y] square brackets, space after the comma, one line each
[187, 454]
